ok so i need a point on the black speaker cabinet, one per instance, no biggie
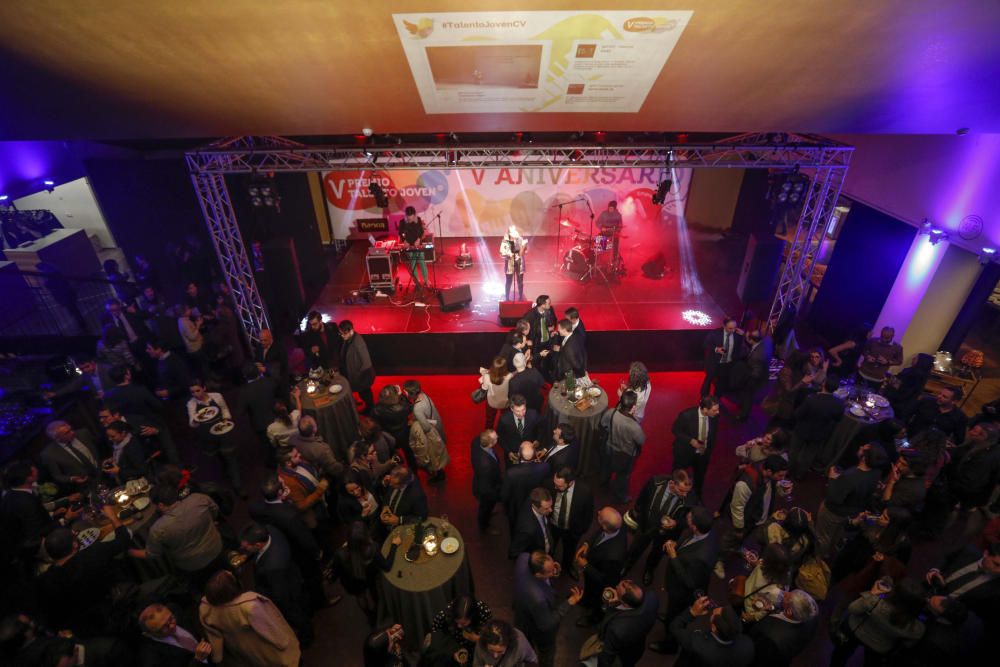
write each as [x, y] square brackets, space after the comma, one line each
[759, 271]
[454, 298]
[512, 311]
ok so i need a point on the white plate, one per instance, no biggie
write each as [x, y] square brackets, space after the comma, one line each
[449, 545]
[858, 411]
[88, 536]
[594, 391]
[206, 414]
[141, 503]
[336, 388]
[221, 428]
[880, 401]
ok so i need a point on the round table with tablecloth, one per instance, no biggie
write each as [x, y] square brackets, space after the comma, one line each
[857, 415]
[413, 593]
[564, 410]
[336, 414]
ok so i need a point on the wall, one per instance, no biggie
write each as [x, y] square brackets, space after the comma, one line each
[950, 286]
[712, 198]
[75, 207]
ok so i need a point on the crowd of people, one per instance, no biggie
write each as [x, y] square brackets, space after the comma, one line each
[194, 587]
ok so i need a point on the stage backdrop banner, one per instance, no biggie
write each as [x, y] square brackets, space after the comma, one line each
[484, 202]
[538, 61]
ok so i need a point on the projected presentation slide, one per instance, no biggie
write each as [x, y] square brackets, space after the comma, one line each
[546, 61]
[509, 65]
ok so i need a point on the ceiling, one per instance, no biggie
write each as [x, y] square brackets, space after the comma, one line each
[189, 68]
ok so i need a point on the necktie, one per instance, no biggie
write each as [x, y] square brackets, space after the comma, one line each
[520, 427]
[563, 510]
[185, 640]
[702, 427]
[671, 504]
[545, 533]
[82, 453]
[394, 500]
[545, 330]
[725, 347]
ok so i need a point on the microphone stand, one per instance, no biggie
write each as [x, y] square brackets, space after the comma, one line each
[559, 262]
[437, 254]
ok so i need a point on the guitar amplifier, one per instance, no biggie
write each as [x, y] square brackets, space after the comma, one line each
[381, 271]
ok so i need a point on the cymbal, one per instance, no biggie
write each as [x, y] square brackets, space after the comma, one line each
[567, 223]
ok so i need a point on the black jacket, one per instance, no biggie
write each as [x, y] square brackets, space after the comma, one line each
[604, 563]
[623, 632]
[136, 403]
[684, 429]
[691, 570]
[132, 462]
[518, 482]
[652, 493]
[581, 510]
[816, 417]
[275, 360]
[572, 356]
[567, 457]
[152, 653]
[277, 576]
[708, 651]
[329, 351]
[713, 340]
[256, 400]
[537, 322]
[173, 375]
[412, 504]
[528, 534]
[24, 521]
[285, 517]
[529, 383]
[510, 440]
[777, 642]
[486, 478]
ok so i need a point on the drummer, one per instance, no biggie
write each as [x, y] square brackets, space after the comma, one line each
[610, 223]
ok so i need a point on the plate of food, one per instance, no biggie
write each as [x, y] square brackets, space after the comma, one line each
[450, 545]
[221, 428]
[594, 392]
[858, 411]
[206, 414]
[336, 388]
[88, 536]
[880, 401]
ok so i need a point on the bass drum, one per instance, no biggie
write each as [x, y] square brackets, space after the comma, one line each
[577, 259]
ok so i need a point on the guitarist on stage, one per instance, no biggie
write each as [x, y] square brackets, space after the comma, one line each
[411, 236]
[512, 249]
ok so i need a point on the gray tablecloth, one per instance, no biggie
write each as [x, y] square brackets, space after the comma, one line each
[847, 429]
[336, 415]
[413, 593]
[563, 411]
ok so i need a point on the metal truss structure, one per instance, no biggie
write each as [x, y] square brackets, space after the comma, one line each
[824, 160]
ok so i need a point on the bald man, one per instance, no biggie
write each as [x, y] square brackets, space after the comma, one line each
[600, 560]
[166, 644]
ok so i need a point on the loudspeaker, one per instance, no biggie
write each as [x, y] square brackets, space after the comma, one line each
[655, 267]
[760, 269]
[454, 298]
[512, 311]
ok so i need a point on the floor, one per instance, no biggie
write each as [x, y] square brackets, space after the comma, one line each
[632, 303]
[341, 631]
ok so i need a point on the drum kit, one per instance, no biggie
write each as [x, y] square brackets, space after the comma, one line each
[594, 253]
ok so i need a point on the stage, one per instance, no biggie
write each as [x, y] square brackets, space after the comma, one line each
[660, 321]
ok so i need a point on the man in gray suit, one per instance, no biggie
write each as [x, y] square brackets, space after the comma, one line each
[71, 459]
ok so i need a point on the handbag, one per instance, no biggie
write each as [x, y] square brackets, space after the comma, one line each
[479, 395]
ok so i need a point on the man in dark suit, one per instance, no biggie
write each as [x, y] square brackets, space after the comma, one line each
[276, 575]
[71, 460]
[173, 376]
[164, 643]
[487, 482]
[516, 342]
[781, 636]
[600, 559]
[757, 368]
[543, 324]
[23, 516]
[659, 514]
[572, 352]
[537, 611]
[256, 401]
[517, 425]
[576, 324]
[519, 480]
[531, 531]
[74, 594]
[527, 382]
[972, 577]
[320, 342]
[689, 566]
[724, 645]
[564, 452]
[126, 321]
[630, 616]
[403, 499]
[814, 422]
[722, 347]
[694, 438]
[129, 458]
[572, 513]
[271, 358]
[141, 409]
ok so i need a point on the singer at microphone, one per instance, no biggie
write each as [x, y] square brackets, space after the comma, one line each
[512, 249]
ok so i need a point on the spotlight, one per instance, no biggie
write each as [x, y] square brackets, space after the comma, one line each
[4, 197]
[987, 255]
[262, 192]
[661, 192]
[936, 236]
[49, 185]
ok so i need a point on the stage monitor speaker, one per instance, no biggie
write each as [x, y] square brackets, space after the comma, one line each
[759, 271]
[454, 298]
[512, 311]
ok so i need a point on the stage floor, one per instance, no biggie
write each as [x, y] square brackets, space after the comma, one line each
[632, 303]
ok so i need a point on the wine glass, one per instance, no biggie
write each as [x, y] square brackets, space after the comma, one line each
[445, 526]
